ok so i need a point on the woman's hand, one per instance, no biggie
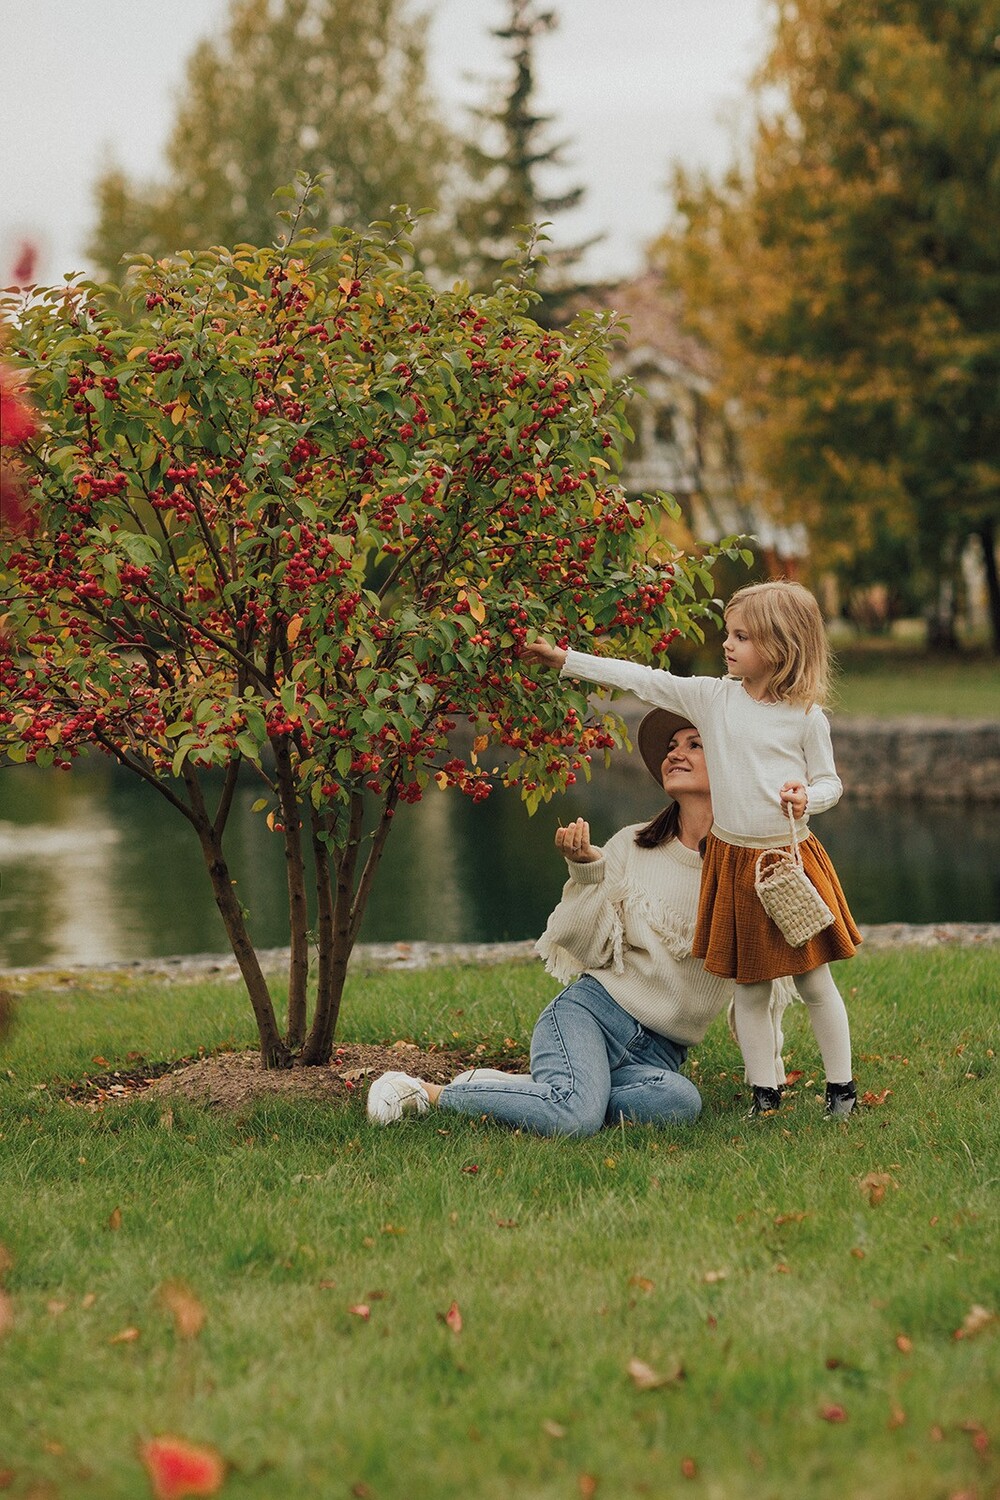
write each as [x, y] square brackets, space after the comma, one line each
[573, 843]
[794, 795]
[538, 654]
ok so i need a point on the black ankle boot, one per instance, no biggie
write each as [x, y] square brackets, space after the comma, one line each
[840, 1099]
[765, 1101]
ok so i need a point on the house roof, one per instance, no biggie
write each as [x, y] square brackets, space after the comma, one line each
[654, 320]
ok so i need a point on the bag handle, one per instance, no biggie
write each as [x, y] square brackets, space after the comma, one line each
[796, 856]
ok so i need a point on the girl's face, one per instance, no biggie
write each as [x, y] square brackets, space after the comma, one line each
[683, 769]
[743, 660]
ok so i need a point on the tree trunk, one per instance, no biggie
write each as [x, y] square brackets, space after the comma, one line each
[319, 1044]
[988, 539]
[273, 1050]
[298, 912]
[942, 634]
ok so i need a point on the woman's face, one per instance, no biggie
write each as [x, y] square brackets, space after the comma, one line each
[683, 769]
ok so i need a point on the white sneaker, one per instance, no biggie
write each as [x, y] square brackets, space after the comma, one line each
[394, 1095]
[481, 1075]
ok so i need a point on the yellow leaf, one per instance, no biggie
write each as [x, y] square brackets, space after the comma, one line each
[294, 629]
[179, 412]
[601, 463]
[480, 742]
[477, 609]
[346, 283]
[134, 353]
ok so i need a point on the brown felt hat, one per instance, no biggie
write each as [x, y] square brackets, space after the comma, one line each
[653, 738]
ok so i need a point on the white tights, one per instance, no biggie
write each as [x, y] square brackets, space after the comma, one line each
[828, 1016]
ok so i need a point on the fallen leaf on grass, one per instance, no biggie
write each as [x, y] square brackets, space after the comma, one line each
[833, 1413]
[587, 1485]
[897, 1418]
[874, 1185]
[115, 1219]
[975, 1320]
[903, 1344]
[506, 1223]
[553, 1429]
[360, 1310]
[793, 1077]
[471, 1169]
[177, 1468]
[452, 1318]
[642, 1282]
[645, 1378]
[689, 1468]
[6, 1261]
[183, 1306]
[7, 1477]
[874, 1100]
[6, 1314]
[793, 1218]
[127, 1336]
[979, 1435]
[713, 1276]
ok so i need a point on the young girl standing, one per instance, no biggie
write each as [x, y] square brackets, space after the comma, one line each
[767, 748]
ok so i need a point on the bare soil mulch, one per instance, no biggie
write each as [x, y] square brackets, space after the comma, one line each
[235, 1080]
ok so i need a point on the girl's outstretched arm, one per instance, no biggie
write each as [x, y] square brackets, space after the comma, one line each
[538, 654]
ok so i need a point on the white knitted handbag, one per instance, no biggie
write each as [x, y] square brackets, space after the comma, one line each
[788, 895]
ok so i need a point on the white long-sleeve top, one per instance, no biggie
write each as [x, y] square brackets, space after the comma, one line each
[628, 919]
[751, 748]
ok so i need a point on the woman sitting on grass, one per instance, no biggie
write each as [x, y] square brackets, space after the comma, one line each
[611, 1046]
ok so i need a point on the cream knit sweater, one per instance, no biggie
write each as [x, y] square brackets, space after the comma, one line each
[628, 919]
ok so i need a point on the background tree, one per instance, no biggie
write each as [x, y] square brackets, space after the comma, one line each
[507, 166]
[849, 279]
[336, 88]
[295, 513]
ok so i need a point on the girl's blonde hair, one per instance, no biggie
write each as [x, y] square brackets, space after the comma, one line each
[786, 627]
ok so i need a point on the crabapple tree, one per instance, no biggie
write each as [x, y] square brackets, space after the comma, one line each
[293, 513]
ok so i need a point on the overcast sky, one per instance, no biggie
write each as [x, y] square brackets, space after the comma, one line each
[633, 85]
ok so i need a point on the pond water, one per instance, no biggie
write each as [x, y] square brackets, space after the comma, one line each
[96, 867]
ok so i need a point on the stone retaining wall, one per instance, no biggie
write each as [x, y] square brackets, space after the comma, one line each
[920, 760]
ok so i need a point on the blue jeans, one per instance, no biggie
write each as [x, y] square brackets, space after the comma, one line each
[592, 1064]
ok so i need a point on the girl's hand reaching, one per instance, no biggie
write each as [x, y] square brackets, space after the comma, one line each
[793, 794]
[573, 843]
[538, 654]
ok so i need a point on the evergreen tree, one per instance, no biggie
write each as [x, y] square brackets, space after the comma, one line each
[333, 88]
[507, 166]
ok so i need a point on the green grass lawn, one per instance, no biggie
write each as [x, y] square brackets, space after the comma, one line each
[796, 1284]
[890, 681]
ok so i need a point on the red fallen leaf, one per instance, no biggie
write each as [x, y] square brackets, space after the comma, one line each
[452, 1318]
[793, 1077]
[361, 1310]
[979, 1435]
[587, 1485]
[471, 1169]
[506, 1223]
[833, 1413]
[874, 1100]
[177, 1468]
[689, 1468]
[897, 1418]
[6, 1478]
[793, 1218]
[903, 1344]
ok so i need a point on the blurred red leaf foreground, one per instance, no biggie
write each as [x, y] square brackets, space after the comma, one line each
[177, 1468]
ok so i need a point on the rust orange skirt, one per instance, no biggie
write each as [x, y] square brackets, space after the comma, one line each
[735, 936]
